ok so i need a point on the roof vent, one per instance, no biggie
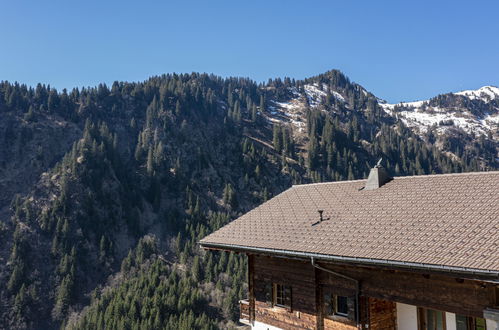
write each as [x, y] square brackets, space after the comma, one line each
[377, 177]
[321, 218]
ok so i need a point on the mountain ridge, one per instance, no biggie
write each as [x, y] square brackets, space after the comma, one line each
[469, 120]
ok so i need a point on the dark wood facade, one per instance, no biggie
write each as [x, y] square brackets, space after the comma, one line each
[314, 292]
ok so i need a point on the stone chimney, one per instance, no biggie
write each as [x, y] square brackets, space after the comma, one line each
[377, 177]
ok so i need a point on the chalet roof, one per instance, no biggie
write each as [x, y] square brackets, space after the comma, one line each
[448, 221]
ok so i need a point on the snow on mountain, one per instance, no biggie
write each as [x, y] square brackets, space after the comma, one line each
[289, 112]
[422, 116]
[314, 94]
[486, 93]
[445, 115]
[293, 110]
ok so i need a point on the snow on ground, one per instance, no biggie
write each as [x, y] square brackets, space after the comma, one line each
[293, 111]
[490, 121]
[290, 112]
[444, 119]
[338, 96]
[294, 91]
[486, 93]
[314, 94]
[413, 115]
[426, 120]
[388, 106]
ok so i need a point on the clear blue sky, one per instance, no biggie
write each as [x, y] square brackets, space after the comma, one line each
[399, 50]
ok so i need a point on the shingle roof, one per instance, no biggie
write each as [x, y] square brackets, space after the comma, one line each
[449, 220]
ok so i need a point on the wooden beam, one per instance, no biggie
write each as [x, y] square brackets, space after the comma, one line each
[251, 286]
[319, 303]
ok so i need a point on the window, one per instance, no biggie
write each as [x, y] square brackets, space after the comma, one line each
[341, 306]
[336, 305]
[281, 295]
[470, 323]
[430, 319]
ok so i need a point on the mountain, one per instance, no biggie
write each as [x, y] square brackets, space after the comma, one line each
[105, 191]
[462, 124]
[456, 122]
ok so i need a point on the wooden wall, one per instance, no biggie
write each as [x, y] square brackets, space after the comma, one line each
[330, 324]
[301, 276]
[382, 314]
[379, 290]
[460, 296]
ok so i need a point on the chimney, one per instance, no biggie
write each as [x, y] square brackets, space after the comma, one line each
[377, 177]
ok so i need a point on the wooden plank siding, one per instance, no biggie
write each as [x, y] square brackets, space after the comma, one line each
[337, 325]
[451, 294]
[379, 290]
[382, 314]
[301, 276]
[251, 286]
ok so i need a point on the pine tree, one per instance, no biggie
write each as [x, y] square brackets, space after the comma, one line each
[277, 138]
[150, 162]
[254, 113]
[63, 298]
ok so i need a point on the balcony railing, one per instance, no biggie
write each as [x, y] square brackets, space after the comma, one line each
[244, 312]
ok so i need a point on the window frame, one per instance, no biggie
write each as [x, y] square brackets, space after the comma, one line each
[330, 306]
[423, 318]
[471, 322]
[336, 305]
[279, 293]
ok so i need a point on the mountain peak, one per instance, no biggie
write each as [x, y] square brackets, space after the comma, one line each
[485, 93]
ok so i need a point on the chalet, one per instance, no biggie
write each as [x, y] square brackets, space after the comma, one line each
[411, 253]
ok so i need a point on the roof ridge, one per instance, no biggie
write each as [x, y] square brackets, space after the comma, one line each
[400, 177]
[329, 182]
[446, 174]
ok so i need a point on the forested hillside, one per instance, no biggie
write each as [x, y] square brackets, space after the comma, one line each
[105, 191]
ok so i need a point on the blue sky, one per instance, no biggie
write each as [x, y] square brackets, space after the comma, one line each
[399, 50]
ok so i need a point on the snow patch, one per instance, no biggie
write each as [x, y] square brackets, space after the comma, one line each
[314, 94]
[490, 121]
[443, 119]
[294, 91]
[420, 116]
[485, 93]
[338, 96]
[288, 112]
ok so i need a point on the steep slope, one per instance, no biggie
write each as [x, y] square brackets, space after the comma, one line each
[169, 160]
[28, 147]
